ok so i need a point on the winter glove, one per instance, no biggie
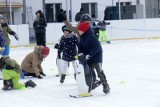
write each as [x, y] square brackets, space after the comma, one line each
[16, 36]
[2, 49]
[82, 58]
[59, 54]
[8, 67]
[76, 57]
[87, 57]
[42, 74]
[56, 46]
[39, 77]
[107, 23]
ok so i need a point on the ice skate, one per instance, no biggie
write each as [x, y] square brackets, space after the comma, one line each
[62, 78]
[106, 88]
[96, 84]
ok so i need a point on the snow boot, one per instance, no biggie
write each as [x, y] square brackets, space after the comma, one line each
[62, 78]
[8, 85]
[106, 88]
[30, 83]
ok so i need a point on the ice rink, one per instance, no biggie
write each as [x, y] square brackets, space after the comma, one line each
[132, 69]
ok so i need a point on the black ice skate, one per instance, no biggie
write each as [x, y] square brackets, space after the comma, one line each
[106, 88]
[62, 78]
[8, 85]
[75, 76]
[96, 84]
[30, 83]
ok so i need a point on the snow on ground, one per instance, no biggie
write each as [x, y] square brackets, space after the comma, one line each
[132, 70]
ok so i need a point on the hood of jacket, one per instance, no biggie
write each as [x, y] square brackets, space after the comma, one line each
[38, 51]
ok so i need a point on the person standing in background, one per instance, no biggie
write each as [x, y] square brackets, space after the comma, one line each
[102, 31]
[94, 26]
[39, 26]
[6, 29]
[79, 14]
[59, 18]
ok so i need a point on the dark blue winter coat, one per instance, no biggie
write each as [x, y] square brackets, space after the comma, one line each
[68, 46]
[89, 45]
[2, 40]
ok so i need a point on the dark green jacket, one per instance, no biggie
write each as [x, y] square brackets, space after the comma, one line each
[6, 30]
[11, 64]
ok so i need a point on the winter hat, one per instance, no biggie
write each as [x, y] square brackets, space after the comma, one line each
[81, 9]
[64, 28]
[1, 16]
[45, 51]
[84, 26]
[39, 11]
[85, 17]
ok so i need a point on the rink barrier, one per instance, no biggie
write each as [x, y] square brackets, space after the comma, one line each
[117, 30]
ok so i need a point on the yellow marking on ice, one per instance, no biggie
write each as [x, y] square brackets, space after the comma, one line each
[86, 94]
[52, 69]
[122, 82]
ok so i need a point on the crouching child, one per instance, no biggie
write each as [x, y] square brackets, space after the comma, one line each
[32, 63]
[11, 74]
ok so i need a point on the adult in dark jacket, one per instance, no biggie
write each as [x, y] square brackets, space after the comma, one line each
[39, 26]
[59, 18]
[91, 48]
[79, 14]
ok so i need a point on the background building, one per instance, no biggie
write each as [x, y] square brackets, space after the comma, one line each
[23, 11]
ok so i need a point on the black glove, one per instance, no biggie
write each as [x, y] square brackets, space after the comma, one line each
[16, 36]
[8, 67]
[42, 74]
[59, 54]
[56, 46]
[108, 23]
[82, 58]
[39, 77]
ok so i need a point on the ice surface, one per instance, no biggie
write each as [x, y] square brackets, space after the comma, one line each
[132, 70]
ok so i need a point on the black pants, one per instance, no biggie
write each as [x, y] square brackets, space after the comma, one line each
[98, 67]
[41, 39]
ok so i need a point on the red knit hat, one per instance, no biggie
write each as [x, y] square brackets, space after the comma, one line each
[84, 26]
[45, 51]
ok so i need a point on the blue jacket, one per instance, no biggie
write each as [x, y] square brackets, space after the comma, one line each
[89, 45]
[2, 40]
[68, 46]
